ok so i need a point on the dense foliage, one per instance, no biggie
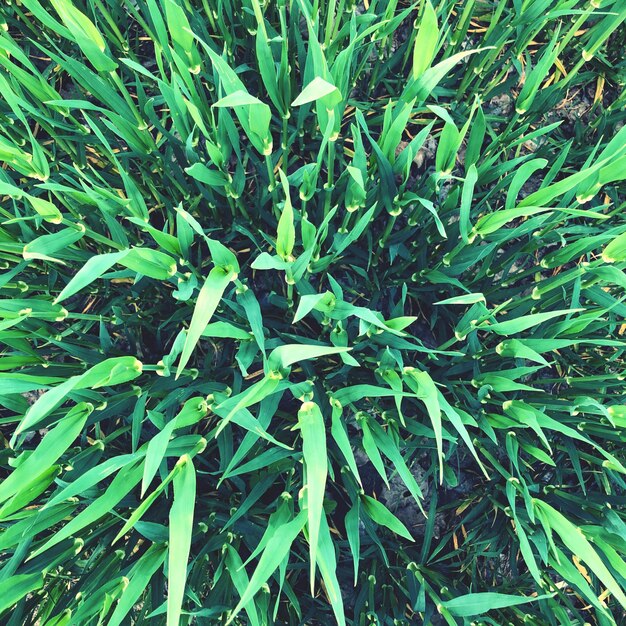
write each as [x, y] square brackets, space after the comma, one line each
[312, 312]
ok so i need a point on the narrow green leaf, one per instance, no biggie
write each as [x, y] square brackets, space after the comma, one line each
[318, 89]
[287, 355]
[384, 517]
[86, 35]
[49, 451]
[155, 454]
[426, 39]
[13, 589]
[468, 298]
[573, 537]
[277, 549]
[139, 577]
[45, 404]
[121, 486]
[426, 391]
[208, 299]
[47, 245]
[148, 262]
[313, 431]
[210, 177]
[479, 603]
[616, 250]
[327, 562]
[467, 196]
[241, 581]
[179, 545]
[352, 523]
[46, 209]
[286, 233]
[90, 271]
[520, 324]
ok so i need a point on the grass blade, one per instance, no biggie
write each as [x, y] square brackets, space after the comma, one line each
[179, 545]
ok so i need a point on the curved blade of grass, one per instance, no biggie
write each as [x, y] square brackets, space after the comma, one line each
[33, 486]
[460, 427]
[389, 448]
[421, 88]
[525, 171]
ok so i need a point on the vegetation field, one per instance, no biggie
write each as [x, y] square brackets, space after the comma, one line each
[312, 312]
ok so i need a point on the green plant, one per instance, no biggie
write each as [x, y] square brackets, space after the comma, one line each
[267, 264]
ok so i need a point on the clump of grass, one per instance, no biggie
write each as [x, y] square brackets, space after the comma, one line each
[267, 264]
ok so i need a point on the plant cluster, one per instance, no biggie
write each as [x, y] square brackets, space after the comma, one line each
[312, 312]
